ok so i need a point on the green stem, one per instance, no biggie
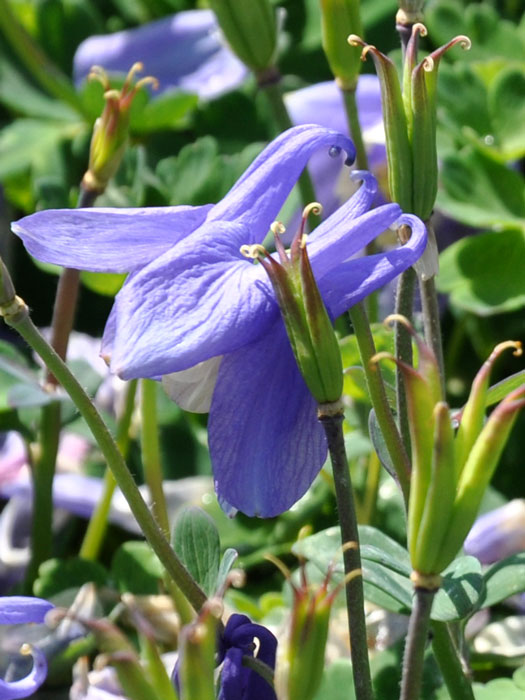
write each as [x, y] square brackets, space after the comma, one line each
[416, 643]
[272, 89]
[16, 315]
[448, 658]
[333, 426]
[97, 526]
[43, 472]
[44, 467]
[151, 459]
[354, 125]
[376, 389]
[403, 348]
[361, 162]
[35, 60]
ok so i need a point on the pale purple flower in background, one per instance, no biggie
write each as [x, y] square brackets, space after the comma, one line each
[18, 610]
[183, 51]
[192, 297]
[499, 533]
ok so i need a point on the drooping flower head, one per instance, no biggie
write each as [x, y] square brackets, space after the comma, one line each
[18, 610]
[191, 297]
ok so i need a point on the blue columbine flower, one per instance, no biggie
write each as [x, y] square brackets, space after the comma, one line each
[18, 610]
[238, 682]
[183, 51]
[191, 297]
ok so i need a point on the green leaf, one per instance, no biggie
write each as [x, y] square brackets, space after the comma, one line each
[386, 573]
[136, 569]
[172, 110]
[483, 274]
[20, 96]
[498, 689]
[56, 575]
[28, 142]
[460, 592]
[228, 560]
[479, 192]
[102, 282]
[337, 682]
[20, 386]
[196, 541]
[354, 381]
[503, 579]
[507, 108]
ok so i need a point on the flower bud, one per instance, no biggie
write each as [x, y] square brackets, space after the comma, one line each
[250, 29]
[308, 325]
[449, 473]
[339, 19]
[110, 132]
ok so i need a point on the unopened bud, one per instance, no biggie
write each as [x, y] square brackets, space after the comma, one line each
[250, 29]
[110, 132]
[197, 657]
[339, 19]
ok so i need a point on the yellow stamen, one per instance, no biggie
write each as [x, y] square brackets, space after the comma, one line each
[253, 252]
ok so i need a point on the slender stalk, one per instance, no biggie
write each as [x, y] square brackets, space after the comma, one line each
[333, 426]
[16, 315]
[403, 348]
[432, 323]
[448, 658]
[99, 520]
[376, 389]
[44, 467]
[271, 87]
[361, 162]
[373, 476]
[354, 125]
[151, 459]
[43, 472]
[416, 644]
[41, 68]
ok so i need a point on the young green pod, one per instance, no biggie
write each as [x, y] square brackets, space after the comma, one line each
[339, 18]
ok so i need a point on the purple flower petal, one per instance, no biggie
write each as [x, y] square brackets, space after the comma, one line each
[498, 534]
[106, 240]
[16, 610]
[197, 301]
[265, 441]
[353, 280]
[258, 195]
[28, 685]
[183, 51]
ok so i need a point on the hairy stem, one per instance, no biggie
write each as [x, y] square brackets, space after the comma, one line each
[44, 466]
[416, 644]
[376, 389]
[333, 427]
[16, 315]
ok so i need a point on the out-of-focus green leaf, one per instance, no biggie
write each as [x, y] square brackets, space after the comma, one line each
[479, 192]
[354, 380]
[102, 282]
[498, 391]
[56, 575]
[507, 108]
[28, 142]
[484, 273]
[503, 579]
[136, 569]
[337, 682]
[171, 110]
